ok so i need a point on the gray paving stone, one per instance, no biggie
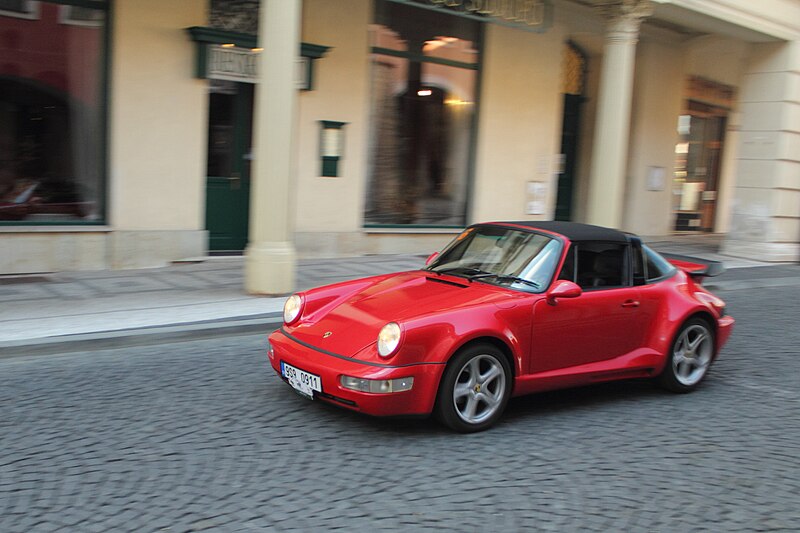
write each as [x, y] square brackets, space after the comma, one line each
[202, 436]
[18, 292]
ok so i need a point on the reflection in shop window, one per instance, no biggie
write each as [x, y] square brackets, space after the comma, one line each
[698, 153]
[698, 159]
[26, 9]
[51, 109]
[424, 74]
[81, 16]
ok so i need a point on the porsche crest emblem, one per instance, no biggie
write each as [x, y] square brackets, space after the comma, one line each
[327, 334]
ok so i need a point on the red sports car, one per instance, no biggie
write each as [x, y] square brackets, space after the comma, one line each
[506, 309]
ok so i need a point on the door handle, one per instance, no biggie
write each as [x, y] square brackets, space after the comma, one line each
[235, 182]
[630, 303]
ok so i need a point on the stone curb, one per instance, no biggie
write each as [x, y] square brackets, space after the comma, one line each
[249, 325]
[738, 285]
[163, 334]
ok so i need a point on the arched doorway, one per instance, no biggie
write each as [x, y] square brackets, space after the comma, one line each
[573, 85]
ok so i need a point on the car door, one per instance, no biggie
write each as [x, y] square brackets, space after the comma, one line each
[602, 324]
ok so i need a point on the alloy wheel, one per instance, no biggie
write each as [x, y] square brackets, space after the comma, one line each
[479, 389]
[692, 354]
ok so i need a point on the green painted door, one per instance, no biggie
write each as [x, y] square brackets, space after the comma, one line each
[230, 121]
[569, 151]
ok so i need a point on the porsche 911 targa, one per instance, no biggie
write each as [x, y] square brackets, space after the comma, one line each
[506, 309]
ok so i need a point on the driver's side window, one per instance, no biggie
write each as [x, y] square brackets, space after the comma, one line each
[596, 265]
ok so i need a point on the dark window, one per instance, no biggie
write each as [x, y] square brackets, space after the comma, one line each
[657, 267]
[568, 268]
[52, 115]
[639, 274]
[601, 265]
[16, 6]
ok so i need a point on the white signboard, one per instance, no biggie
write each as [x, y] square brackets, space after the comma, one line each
[232, 64]
[536, 198]
[241, 64]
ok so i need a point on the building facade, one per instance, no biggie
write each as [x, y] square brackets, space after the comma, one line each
[138, 132]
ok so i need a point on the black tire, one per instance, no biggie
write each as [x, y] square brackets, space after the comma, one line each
[687, 367]
[483, 377]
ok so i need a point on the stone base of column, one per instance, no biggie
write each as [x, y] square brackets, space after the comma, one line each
[269, 268]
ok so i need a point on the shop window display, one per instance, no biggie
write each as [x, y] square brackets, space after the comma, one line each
[52, 112]
[20, 8]
[424, 77]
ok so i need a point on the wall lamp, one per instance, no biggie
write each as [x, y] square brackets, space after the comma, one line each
[331, 146]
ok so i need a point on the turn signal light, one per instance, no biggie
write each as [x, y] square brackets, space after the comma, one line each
[377, 386]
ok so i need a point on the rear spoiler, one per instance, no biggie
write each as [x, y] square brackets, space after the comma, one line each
[694, 266]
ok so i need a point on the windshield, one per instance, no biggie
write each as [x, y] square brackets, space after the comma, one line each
[502, 256]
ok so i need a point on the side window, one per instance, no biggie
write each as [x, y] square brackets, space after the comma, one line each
[657, 266]
[639, 273]
[601, 265]
[568, 269]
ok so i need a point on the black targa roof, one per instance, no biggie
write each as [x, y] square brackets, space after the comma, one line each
[575, 231]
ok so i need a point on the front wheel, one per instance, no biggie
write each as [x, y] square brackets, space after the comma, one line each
[689, 358]
[475, 389]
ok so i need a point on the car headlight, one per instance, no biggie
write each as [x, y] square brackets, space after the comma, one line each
[292, 308]
[388, 339]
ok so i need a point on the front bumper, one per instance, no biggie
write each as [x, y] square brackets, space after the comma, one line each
[329, 367]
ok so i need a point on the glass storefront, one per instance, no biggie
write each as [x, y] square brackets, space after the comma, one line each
[424, 97]
[52, 112]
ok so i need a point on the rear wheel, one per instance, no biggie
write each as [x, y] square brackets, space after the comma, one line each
[475, 389]
[690, 357]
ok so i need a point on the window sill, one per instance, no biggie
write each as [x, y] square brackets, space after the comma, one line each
[83, 228]
[414, 230]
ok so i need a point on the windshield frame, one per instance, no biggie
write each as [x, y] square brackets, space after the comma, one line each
[496, 278]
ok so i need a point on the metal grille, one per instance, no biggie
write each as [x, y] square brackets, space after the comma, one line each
[574, 70]
[235, 15]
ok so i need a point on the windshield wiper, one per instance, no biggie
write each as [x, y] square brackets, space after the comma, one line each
[468, 272]
[507, 277]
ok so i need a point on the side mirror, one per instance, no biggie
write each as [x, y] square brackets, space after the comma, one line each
[562, 289]
[431, 257]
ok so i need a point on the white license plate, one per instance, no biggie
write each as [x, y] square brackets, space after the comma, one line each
[303, 382]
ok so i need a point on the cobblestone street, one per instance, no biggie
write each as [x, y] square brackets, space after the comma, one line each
[202, 436]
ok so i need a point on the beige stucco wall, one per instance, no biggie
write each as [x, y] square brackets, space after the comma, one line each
[50, 250]
[158, 118]
[716, 58]
[722, 60]
[662, 69]
[761, 20]
[658, 96]
[519, 133]
[341, 94]
[766, 207]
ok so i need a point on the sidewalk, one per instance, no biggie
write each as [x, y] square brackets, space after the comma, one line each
[45, 313]
[182, 298]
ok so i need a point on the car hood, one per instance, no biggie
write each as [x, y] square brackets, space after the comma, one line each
[352, 321]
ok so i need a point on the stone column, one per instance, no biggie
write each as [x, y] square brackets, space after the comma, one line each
[765, 223]
[270, 258]
[610, 151]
